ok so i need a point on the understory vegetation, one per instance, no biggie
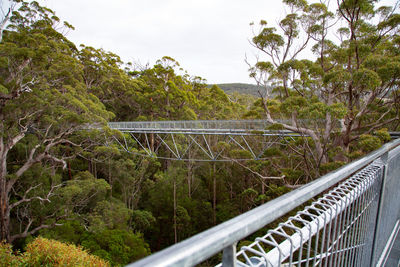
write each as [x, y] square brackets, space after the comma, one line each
[64, 178]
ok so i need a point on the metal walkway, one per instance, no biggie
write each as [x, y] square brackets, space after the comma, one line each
[202, 140]
[355, 222]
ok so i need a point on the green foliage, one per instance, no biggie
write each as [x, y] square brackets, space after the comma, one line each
[276, 126]
[117, 246]
[369, 143]
[331, 166]
[85, 190]
[271, 152]
[383, 135]
[274, 191]
[70, 231]
[239, 154]
[293, 175]
[142, 220]
[109, 215]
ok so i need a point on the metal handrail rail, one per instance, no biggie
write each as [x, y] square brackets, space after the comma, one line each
[193, 124]
[202, 246]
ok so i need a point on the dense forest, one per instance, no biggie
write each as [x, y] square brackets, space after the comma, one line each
[64, 178]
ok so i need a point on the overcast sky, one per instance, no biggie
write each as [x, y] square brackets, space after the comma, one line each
[209, 38]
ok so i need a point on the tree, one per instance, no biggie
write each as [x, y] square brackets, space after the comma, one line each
[43, 100]
[350, 89]
[104, 76]
[166, 95]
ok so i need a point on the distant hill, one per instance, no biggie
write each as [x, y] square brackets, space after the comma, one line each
[243, 88]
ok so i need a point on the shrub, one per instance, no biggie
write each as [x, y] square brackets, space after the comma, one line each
[7, 258]
[46, 252]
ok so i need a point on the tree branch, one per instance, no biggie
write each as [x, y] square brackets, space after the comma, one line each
[25, 199]
[33, 231]
[5, 20]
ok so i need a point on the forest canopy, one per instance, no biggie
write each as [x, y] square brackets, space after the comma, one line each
[66, 181]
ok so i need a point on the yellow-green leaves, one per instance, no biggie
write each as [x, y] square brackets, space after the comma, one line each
[391, 22]
[268, 39]
[366, 79]
[337, 79]
[338, 110]
[368, 143]
[289, 25]
[264, 66]
[383, 135]
[83, 189]
[300, 4]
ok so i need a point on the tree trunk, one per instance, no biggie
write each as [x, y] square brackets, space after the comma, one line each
[175, 226]
[189, 178]
[214, 195]
[110, 181]
[342, 141]
[90, 166]
[4, 199]
[262, 190]
[4, 212]
[152, 142]
[69, 170]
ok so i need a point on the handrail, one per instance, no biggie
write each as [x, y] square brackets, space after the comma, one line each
[202, 246]
[193, 124]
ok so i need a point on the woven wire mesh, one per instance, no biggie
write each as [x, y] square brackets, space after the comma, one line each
[195, 124]
[335, 230]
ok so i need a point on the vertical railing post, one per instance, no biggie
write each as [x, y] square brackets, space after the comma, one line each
[374, 252]
[229, 256]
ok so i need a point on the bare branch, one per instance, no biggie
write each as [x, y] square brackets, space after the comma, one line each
[45, 199]
[35, 230]
[4, 21]
[257, 173]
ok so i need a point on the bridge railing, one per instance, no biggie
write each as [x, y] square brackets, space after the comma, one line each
[196, 124]
[351, 225]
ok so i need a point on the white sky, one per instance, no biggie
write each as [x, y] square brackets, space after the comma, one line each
[209, 38]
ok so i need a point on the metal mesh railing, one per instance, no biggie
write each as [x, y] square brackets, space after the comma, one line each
[335, 230]
[193, 125]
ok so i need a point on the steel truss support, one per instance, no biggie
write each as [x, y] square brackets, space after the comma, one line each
[203, 146]
[202, 140]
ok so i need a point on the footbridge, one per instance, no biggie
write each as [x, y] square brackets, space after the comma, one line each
[203, 140]
[206, 140]
[352, 218]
